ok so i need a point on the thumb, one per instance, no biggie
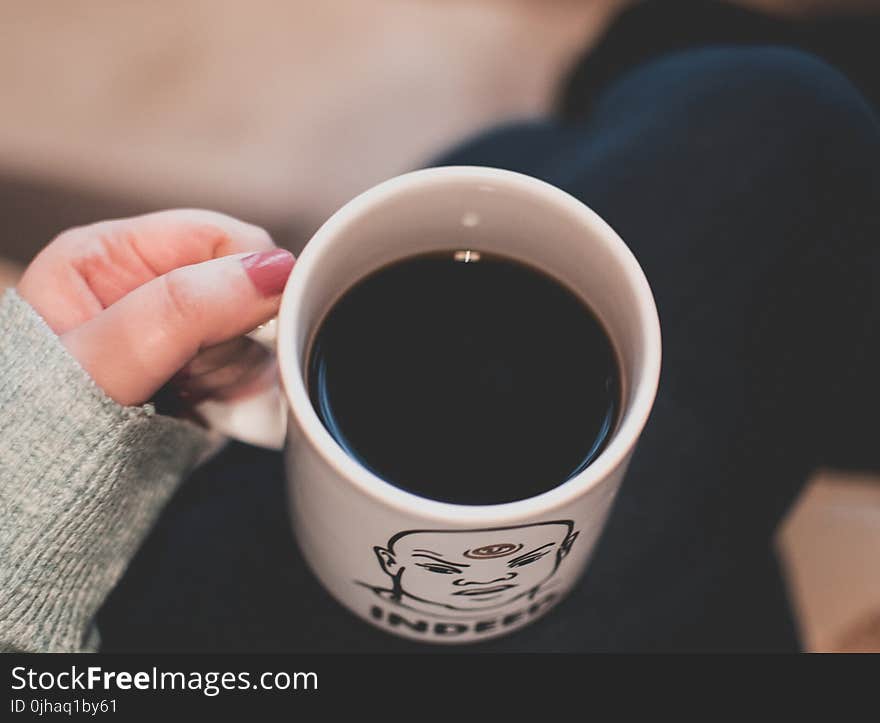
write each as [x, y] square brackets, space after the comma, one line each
[137, 344]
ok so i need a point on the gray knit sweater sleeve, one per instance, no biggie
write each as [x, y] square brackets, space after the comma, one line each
[82, 479]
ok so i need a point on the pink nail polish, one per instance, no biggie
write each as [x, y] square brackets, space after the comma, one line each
[268, 270]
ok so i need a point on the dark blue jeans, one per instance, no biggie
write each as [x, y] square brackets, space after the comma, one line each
[747, 182]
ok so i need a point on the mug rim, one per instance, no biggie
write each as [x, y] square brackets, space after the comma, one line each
[292, 371]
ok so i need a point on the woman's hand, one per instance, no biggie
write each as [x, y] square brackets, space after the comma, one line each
[136, 300]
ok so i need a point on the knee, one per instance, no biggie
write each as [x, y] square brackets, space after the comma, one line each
[783, 84]
[767, 94]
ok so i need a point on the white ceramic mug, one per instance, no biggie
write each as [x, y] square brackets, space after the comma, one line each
[362, 536]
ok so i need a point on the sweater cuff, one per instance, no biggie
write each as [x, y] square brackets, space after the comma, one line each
[82, 480]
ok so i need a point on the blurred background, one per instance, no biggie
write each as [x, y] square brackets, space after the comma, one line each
[280, 111]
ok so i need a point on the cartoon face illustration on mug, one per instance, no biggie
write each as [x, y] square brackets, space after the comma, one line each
[471, 570]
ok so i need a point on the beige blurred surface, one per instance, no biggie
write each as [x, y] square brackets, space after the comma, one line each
[830, 545]
[271, 106]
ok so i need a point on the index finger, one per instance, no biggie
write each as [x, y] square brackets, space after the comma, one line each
[86, 269]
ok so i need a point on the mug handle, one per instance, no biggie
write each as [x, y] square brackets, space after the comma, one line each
[259, 419]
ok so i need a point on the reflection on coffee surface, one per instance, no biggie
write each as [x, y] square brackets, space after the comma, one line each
[465, 377]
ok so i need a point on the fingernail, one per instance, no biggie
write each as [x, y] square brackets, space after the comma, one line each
[268, 270]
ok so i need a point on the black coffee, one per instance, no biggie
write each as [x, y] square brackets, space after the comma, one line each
[465, 378]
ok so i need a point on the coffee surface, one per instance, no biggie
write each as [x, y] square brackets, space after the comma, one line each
[465, 378]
